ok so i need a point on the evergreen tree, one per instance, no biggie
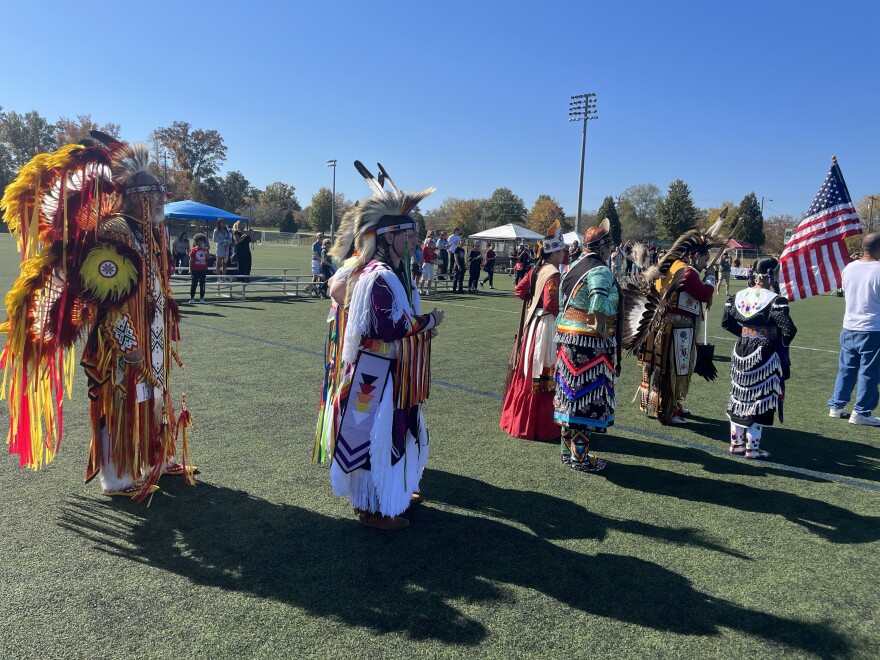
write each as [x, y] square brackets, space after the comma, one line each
[609, 210]
[676, 214]
[288, 222]
[750, 227]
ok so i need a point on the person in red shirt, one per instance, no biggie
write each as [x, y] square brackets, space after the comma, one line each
[198, 267]
[667, 353]
[429, 256]
[528, 400]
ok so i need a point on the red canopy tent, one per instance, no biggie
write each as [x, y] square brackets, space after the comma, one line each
[740, 247]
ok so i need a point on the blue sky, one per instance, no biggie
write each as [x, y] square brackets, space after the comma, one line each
[471, 96]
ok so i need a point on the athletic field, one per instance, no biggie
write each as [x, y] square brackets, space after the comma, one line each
[676, 551]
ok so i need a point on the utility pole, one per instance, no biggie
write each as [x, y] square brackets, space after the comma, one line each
[871, 217]
[582, 108]
[762, 204]
[332, 163]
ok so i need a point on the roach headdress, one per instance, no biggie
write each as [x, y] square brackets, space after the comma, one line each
[385, 212]
[695, 241]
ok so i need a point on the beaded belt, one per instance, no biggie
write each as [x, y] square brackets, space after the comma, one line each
[758, 331]
[584, 317]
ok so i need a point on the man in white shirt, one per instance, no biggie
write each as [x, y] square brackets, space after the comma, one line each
[860, 338]
[454, 240]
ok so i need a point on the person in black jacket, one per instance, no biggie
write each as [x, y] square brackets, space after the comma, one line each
[760, 363]
[459, 267]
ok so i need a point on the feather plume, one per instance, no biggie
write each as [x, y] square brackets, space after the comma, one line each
[130, 159]
[640, 256]
[644, 308]
[369, 178]
[384, 176]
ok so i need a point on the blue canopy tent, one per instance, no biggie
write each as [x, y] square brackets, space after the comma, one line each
[190, 210]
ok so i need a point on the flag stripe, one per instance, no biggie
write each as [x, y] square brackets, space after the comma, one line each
[831, 230]
[815, 256]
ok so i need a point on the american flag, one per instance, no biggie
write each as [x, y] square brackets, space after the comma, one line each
[816, 254]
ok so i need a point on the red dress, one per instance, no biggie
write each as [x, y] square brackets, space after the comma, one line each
[528, 402]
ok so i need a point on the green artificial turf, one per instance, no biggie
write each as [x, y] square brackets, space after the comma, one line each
[676, 551]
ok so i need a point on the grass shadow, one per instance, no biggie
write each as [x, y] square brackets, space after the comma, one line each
[409, 582]
[828, 521]
[806, 449]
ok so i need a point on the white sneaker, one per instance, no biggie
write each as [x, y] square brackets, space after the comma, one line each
[864, 420]
[838, 413]
[192, 301]
[202, 301]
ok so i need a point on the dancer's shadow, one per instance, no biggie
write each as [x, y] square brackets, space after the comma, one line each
[408, 582]
[550, 517]
[712, 463]
[833, 523]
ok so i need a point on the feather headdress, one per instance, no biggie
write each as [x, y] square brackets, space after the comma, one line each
[695, 241]
[386, 211]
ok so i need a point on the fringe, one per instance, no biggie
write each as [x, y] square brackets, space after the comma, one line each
[586, 341]
[602, 369]
[772, 366]
[744, 363]
[385, 488]
[771, 385]
[362, 316]
[752, 408]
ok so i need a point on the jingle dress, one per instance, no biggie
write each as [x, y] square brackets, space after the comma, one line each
[760, 363]
[585, 377]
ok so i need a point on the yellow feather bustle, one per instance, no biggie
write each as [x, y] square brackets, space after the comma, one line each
[106, 274]
[20, 196]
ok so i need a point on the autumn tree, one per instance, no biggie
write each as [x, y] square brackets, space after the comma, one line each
[420, 222]
[282, 194]
[638, 210]
[774, 232]
[676, 213]
[713, 212]
[609, 210]
[544, 213]
[503, 207]
[196, 152]
[73, 131]
[749, 221]
[453, 212]
[263, 214]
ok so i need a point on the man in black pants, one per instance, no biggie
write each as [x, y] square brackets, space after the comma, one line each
[489, 267]
[459, 267]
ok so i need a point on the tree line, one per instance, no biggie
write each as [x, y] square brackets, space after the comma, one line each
[189, 161]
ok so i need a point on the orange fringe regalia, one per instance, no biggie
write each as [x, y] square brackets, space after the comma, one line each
[94, 267]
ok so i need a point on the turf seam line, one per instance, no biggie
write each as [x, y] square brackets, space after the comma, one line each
[824, 476]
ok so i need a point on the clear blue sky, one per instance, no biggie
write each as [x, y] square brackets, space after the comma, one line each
[471, 96]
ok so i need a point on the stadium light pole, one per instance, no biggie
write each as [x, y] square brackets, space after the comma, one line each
[582, 108]
[332, 163]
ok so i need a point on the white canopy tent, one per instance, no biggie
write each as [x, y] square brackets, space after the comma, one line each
[571, 237]
[508, 232]
[503, 239]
